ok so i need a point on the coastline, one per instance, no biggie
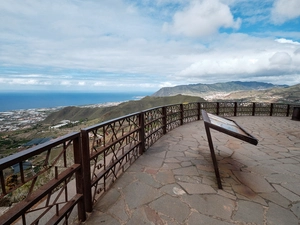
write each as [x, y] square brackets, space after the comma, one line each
[26, 118]
[29, 101]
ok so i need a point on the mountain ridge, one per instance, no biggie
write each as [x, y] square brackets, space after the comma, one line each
[74, 113]
[203, 90]
[289, 94]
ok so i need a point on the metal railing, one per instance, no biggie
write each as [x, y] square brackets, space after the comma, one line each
[48, 191]
[77, 168]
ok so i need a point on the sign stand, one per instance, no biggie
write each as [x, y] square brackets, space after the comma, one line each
[226, 126]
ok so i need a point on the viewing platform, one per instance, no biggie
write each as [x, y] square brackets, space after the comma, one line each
[164, 165]
[174, 182]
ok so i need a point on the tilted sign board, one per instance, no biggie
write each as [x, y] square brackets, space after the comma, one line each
[226, 126]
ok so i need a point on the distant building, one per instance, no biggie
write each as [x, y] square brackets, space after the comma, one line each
[63, 123]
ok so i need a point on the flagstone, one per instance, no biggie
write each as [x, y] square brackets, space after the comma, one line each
[242, 214]
[254, 181]
[171, 207]
[189, 171]
[200, 219]
[211, 205]
[192, 188]
[174, 182]
[280, 216]
[286, 193]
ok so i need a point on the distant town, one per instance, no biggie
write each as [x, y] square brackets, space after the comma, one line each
[26, 118]
[21, 119]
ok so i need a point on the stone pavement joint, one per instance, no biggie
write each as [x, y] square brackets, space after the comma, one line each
[174, 182]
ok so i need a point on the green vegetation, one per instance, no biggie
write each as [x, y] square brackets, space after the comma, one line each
[106, 113]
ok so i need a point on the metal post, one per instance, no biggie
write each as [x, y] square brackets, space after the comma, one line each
[271, 109]
[218, 108]
[164, 119]
[253, 109]
[199, 110]
[235, 109]
[181, 114]
[213, 156]
[79, 178]
[142, 133]
[86, 171]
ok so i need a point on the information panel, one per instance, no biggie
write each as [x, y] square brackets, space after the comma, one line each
[226, 126]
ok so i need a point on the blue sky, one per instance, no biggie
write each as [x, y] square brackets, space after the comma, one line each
[143, 45]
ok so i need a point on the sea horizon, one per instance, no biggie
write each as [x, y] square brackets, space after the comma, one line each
[24, 100]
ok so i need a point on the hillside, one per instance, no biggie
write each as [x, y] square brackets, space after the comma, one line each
[107, 113]
[204, 90]
[280, 95]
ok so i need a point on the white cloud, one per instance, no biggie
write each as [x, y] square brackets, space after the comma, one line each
[252, 58]
[284, 10]
[66, 83]
[202, 18]
[286, 41]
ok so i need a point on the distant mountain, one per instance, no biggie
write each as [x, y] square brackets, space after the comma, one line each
[106, 113]
[279, 95]
[207, 89]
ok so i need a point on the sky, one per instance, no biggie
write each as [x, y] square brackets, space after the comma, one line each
[144, 45]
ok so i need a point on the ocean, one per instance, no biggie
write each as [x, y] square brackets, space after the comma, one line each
[19, 101]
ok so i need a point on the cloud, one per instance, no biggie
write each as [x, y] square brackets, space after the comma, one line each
[284, 10]
[202, 18]
[286, 41]
[250, 59]
[100, 45]
[280, 59]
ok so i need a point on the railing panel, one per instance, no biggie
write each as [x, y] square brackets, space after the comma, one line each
[190, 112]
[153, 126]
[45, 182]
[226, 108]
[174, 116]
[244, 108]
[113, 146]
[210, 107]
[279, 109]
[262, 109]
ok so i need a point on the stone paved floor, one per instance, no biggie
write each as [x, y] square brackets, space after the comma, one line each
[174, 182]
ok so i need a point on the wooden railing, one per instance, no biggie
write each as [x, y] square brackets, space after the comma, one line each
[77, 168]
